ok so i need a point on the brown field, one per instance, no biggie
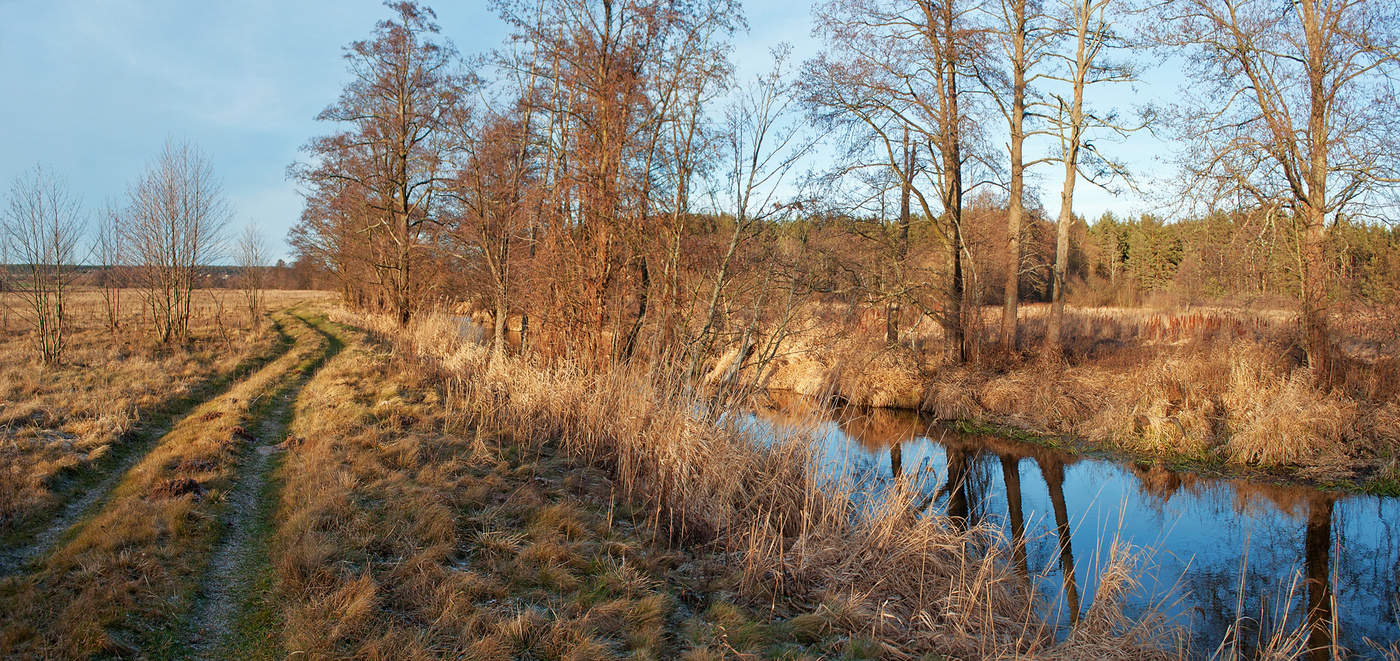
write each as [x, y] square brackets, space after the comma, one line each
[57, 421]
[123, 575]
[415, 502]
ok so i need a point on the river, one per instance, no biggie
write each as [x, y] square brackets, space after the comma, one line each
[1213, 551]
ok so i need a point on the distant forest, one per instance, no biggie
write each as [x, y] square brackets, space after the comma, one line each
[301, 274]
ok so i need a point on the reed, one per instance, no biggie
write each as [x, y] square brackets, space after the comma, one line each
[916, 584]
[1215, 386]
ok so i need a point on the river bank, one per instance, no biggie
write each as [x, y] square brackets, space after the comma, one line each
[1220, 551]
[1221, 394]
[1380, 481]
[776, 534]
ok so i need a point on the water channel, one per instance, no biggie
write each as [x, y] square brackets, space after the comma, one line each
[1214, 550]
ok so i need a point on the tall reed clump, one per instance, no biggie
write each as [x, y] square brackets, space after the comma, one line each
[1169, 404]
[1239, 402]
[918, 583]
[1279, 416]
[1215, 386]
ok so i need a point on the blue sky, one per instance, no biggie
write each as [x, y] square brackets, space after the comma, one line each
[93, 88]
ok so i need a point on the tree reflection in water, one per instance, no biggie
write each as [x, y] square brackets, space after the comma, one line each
[1053, 470]
[1317, 549]
[1011, 477]
[1216, 535]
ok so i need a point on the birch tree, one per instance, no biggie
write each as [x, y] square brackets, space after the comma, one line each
[41, 227]
[110, 254]
[251, 259]
[174, 228]
[1088, 28]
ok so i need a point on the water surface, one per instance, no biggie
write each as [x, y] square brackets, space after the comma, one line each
[1215, 550]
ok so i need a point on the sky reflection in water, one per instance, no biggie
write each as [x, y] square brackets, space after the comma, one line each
[1200, 533]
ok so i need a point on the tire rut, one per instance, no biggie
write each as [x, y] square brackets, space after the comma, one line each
[80, 507]
[227, 582]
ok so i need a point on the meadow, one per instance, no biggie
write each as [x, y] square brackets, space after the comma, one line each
[326, 484]
[64, 425]
[573, 266]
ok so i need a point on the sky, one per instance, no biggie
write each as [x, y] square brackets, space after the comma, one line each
[94, 88]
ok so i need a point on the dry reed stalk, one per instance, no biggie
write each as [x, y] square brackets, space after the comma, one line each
[916, 582]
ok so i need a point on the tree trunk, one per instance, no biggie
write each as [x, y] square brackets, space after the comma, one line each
[401, 287]
[1054, 342]
[629, 348]
[1316, 285]
[901, 245]
[956, 346]
[952, 200]
[498, 338]
[1012, 291]
[1317, 271]
[1014, 208]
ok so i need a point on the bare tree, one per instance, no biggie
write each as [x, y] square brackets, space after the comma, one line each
[495, 192]
[592, 61]
[41, 228]
[1292, 104]
[251, 259]
[1024, 34]
[174, 228]
[763, 145]
[697, 71]
[892, 66]
[1089, 28]
[620, 91]
[405, 85]
[110, 257]
[330, 230]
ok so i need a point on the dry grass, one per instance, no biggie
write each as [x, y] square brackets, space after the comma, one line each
[55, 422]
[432, 507]
[398, 538]
[122, 578]
[767, 532]
[1220, 386]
